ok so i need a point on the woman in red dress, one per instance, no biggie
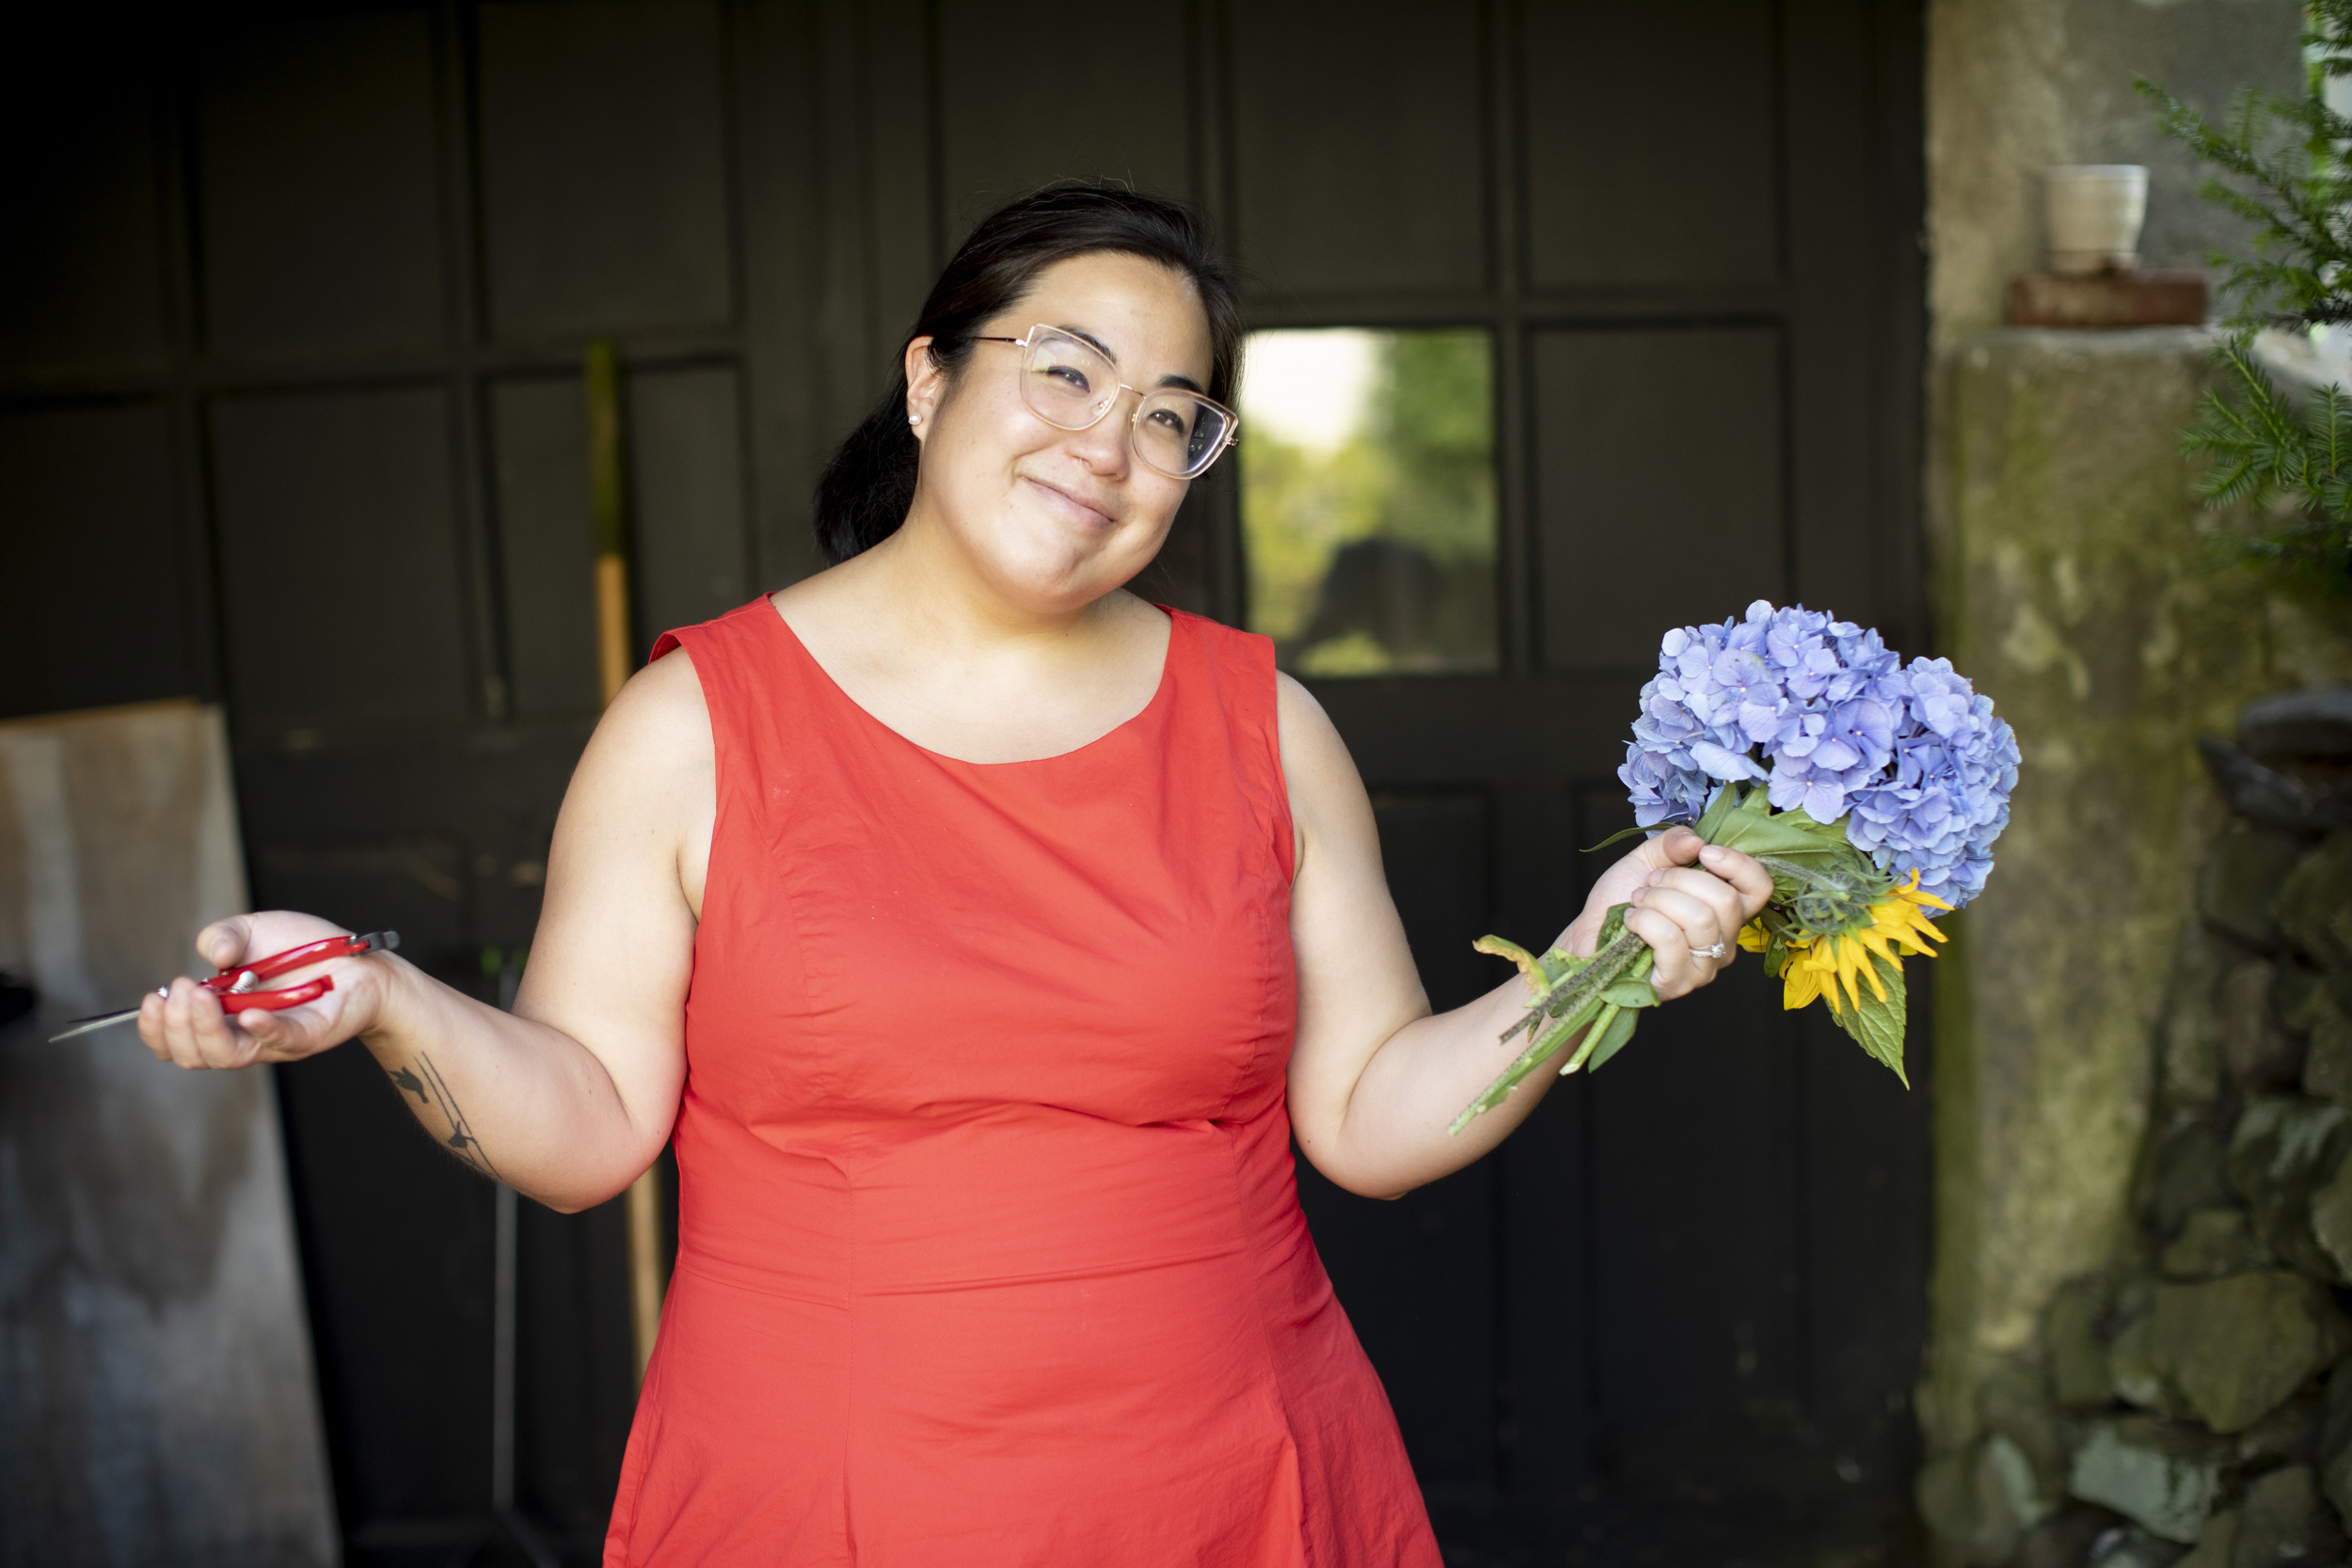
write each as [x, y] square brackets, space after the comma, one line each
[982, 935]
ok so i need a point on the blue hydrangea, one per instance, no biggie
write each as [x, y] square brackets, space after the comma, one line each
[1833, 724]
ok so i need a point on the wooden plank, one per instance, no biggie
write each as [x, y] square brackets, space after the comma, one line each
[157, 1401]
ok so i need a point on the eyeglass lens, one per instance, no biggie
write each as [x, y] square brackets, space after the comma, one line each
[1068, 384]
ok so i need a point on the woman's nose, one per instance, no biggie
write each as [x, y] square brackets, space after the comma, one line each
[1103, 445]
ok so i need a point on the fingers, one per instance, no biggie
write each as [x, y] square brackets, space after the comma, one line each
[226, 942]
[1693, 913]
[1674, 969]
[1744, 873]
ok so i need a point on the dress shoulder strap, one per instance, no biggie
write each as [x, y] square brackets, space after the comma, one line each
[1235, 675]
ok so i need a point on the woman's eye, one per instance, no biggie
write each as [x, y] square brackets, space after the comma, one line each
[1067, 375]
[1171, 422]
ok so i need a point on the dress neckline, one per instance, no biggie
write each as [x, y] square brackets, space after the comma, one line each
[1158, 698]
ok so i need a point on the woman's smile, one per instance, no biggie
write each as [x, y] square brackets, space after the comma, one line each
[1064, 502]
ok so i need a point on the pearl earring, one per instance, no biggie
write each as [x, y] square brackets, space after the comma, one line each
[915, 418]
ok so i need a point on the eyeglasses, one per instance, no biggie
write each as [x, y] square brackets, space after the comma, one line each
[1070, 384]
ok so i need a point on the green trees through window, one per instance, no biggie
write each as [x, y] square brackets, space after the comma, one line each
[1368, 500]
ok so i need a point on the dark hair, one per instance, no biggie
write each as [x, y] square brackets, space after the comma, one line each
[869, 484]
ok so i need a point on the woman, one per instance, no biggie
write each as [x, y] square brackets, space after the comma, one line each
[982, 934]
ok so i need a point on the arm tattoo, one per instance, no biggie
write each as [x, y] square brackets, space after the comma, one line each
[432, 1092]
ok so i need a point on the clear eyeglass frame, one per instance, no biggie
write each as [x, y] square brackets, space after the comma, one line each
[1188, 431]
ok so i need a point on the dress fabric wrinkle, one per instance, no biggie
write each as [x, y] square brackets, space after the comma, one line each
[990, 1250]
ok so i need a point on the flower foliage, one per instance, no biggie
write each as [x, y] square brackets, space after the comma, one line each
[1834, 724]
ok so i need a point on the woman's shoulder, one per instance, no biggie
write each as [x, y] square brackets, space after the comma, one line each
[660, 721]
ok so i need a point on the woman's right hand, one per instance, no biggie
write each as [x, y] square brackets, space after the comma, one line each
[187, 1024]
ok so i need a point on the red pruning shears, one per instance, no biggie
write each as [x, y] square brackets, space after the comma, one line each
[237, 987]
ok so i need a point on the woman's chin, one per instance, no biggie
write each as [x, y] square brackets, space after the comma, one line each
[1057, 570]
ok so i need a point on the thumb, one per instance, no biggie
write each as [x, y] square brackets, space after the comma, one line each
[224, 941]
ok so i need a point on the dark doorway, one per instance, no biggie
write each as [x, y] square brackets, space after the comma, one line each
[289, 412]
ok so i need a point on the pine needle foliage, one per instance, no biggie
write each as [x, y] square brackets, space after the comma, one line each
[2285, 166]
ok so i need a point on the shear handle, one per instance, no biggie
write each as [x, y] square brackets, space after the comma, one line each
[235, 986]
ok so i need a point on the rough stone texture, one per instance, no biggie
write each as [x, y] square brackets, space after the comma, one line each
[2129, 1546]
[2283, 1148]
[2064, 1540]
[2240, 1347]
[2299, 997]
[2267, 797]
[2238, 893]
[2312, 724]
[2189, 1047]
[2076, 589]
[2215, 1544]
[2328, 1061]
[2331, 1211]
[2335, 1484]
[2284, 1520]
[156, 1394]
[1981, 1499]
[2289, 1434]
[2162, 1475]
[2259, 1055]
[2079, 1357]
[2139, 1378]
[2214, 1242]
[2017, 1405]
[2315, 903]
[2191, 1174]
[2013, 85]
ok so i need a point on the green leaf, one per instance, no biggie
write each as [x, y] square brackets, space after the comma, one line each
[1614, 1034]
[1631, 992]
[1876, 1025]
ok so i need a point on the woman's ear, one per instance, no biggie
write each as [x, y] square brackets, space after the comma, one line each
[925, 384]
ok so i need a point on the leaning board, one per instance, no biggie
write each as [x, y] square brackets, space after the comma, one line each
[158, 1399]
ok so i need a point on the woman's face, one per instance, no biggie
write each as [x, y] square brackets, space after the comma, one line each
[1053, 519]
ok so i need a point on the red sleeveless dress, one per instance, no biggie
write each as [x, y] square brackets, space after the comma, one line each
[988, 1244]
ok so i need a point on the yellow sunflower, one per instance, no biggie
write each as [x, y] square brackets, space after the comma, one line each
[1819, 965]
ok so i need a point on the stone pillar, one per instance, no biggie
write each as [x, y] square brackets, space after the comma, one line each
[2074, 586]
[2071, 580]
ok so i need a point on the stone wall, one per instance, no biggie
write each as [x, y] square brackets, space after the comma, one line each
[2191, 1402]
[2013, 85]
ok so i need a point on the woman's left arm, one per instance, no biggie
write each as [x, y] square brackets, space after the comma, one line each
[1376, 1076]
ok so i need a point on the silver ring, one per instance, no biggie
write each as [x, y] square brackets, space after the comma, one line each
[1715, 952]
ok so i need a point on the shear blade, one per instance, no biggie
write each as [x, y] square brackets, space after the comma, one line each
[86, 1025]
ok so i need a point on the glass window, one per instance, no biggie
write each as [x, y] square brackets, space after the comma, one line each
[1368, 500]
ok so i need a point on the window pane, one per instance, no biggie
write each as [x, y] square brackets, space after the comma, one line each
[1368, 500]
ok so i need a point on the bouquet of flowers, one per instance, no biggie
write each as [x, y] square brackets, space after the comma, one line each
[1871, 791]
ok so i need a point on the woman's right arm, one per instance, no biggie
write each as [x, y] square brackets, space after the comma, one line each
[570, 1096]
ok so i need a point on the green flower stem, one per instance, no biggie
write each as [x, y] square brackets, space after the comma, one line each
[1574, 1001]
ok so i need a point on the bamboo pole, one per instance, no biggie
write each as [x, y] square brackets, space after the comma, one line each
[608, 481]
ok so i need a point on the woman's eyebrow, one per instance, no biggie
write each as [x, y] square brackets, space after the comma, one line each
[1185, 382]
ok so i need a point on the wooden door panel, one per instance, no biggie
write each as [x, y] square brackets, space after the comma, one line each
[1693, 1267]
[546, 543]
[320, 203]
[1361, 157]
[82, 272]
[1650, 144]
[686, 473]
[1025, 97]
[604, 166]
[1657, 486]
[338, 557]
[87, 514]
[1417, 1275]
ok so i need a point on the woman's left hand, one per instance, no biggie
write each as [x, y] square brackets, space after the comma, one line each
[1690, 899]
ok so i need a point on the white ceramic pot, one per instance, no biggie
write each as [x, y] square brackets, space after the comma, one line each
[2094, 212]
